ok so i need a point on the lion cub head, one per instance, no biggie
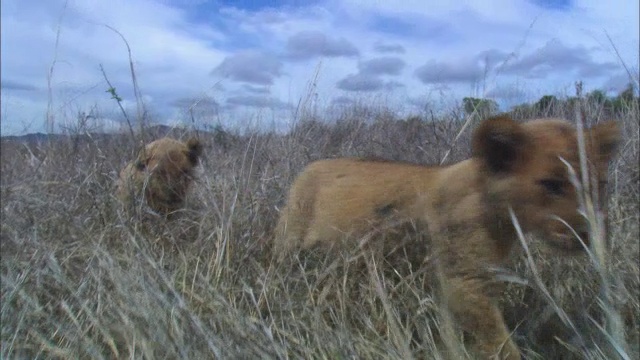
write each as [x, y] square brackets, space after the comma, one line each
[535, 167]
[161, 174]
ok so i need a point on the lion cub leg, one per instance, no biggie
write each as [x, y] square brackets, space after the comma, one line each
[479, 316]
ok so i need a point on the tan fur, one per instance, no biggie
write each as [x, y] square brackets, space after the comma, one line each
[164, 169]
[465, 208]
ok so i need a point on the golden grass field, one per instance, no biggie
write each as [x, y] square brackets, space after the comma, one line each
[82, 280]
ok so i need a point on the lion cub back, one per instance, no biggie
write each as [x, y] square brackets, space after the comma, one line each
[338, 199]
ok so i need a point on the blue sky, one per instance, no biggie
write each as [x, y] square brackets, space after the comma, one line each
[252, 62]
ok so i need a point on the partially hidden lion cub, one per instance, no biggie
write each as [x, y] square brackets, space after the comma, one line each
[161, 174]
[464, 206]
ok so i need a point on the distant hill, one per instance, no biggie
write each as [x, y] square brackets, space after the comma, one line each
[34, 137]
[152, 132]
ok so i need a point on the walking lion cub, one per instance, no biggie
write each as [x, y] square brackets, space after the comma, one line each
[464, 209]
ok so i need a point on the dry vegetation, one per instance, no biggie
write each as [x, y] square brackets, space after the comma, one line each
[81, 280]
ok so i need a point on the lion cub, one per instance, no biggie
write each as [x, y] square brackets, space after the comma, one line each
[161, 174]
[465, 207]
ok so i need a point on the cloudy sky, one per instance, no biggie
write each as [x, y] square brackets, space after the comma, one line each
[250, 61]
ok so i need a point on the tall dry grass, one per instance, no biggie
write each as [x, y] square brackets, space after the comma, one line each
[82, 280]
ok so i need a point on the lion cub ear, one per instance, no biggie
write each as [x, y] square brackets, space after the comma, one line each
[606, 137]
[194, 151]
[500, 143]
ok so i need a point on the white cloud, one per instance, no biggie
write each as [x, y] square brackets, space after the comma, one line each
[176, 46]
[309, 44]
[382, 65]
[360, 82]
[257, 101]
[251, 67]
[388, 48]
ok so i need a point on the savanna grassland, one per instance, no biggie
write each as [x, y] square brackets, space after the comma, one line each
[81, 279]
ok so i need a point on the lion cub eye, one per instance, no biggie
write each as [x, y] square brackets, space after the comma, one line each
[553, 186]
[140, 165]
